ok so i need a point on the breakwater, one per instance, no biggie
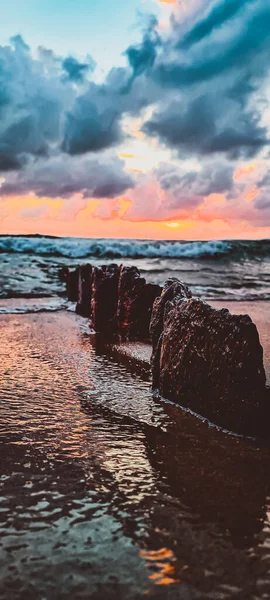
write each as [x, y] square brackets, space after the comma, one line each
[205, 359]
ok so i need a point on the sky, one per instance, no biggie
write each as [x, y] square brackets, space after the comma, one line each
[144, 118]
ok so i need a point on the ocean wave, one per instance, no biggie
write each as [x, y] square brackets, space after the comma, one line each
[24, 305]
[78, 248]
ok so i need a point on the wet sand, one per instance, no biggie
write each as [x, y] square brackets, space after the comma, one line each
[107, 492]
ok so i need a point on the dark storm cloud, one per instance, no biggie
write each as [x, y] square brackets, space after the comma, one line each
[204, 81]
[214, 178]
[47, 120]
[196, 127]
[43, 111]
[65, 176]
[143, 56]
[93, 124]
[263, 202]
[95, 121]
[31, 106]
[75, 70]
[213, 19]
[8, 163]
[213, 72]
[237, 40]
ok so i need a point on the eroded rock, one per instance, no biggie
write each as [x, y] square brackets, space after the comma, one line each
[83, 307]
[212, 362]
[135, 303]
[105, 298]
[71, 279]
[173, 288]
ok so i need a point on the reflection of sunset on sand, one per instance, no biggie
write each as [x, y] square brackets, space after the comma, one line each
[162, 561]
[127, 490]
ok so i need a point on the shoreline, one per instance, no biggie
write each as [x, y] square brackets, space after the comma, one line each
[258, 310]
[135, 355]
[95, 467]
[229, 398]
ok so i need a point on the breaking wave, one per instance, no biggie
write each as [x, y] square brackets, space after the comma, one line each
[110, 248]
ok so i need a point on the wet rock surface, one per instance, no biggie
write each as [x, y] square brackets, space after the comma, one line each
[212, 363]
[115, 298]
[105, 298]
[135, 303]
[173, 288]
[71, 279]
[85, 276]
[204, 359]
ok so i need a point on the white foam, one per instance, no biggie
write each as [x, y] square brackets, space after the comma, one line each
[108, 248]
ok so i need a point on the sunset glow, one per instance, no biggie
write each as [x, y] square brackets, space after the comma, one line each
[145, 140]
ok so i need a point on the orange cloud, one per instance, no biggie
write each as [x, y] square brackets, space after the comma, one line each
[111, 218]
[214, 199]
[252, 194]
[244, 170]
[125, 155]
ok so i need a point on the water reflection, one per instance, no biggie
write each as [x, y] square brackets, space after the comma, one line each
[105, 492]
[161, 561]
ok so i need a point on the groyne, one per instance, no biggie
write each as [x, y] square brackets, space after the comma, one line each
[207, 360]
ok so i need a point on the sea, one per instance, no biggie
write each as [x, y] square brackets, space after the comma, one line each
[216, 270]
[106, 490]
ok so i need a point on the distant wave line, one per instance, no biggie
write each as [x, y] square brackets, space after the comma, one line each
[117, 249]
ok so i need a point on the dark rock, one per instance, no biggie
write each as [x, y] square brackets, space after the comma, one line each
[72, 280]
[212, 362]
[63, 274]
[135, 303]
[83, 307]
[105, 298]
[173, 288]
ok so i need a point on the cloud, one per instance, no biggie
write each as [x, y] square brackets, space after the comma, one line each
[64, 176]
[93, 124]
[71, 208]
[172, 193]
[225, 47]
[212, 19]
[201, 79]
[214, 178]
[212, 73]
[35, 212]
[107, 210]
[263, 202]
[32, 101]
[142, 57]
[48, 104]
[199, 88]
[95, 121]
[208, 125]
[77, 71]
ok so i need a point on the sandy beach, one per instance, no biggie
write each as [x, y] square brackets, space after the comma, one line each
[109, 492]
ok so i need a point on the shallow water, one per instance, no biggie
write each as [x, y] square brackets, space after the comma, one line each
[214, 270]
[106, 492]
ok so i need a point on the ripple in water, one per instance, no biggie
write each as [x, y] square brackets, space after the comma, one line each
[105, 492]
